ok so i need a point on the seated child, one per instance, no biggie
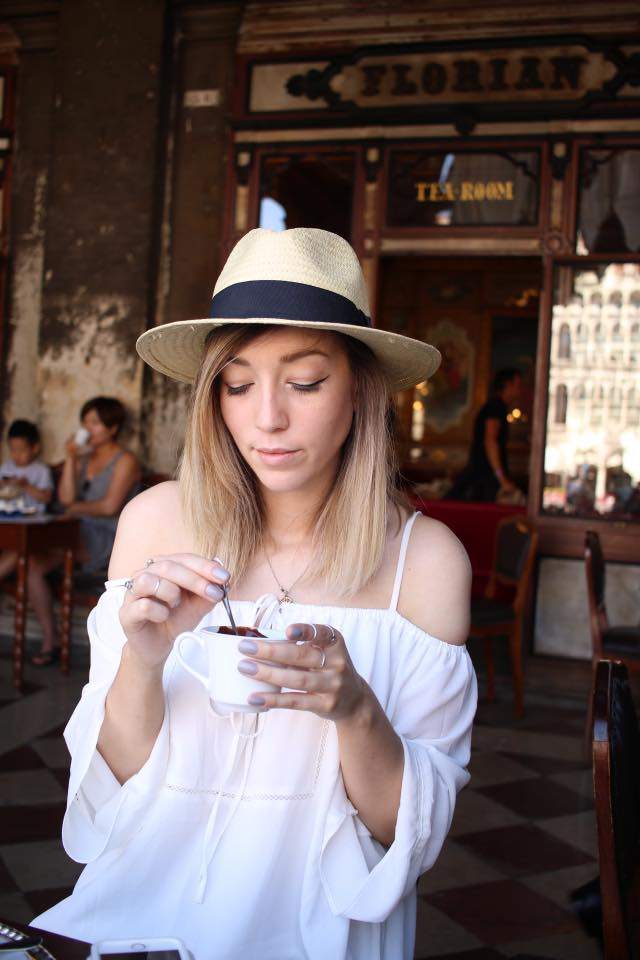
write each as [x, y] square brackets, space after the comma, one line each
[24, 469]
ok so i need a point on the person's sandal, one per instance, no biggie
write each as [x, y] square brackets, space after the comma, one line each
[46, 659]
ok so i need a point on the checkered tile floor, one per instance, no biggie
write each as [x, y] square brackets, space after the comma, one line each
[523, 835]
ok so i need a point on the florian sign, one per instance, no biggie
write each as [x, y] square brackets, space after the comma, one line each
[569, 75]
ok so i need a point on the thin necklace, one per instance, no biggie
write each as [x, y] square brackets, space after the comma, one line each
[285, 592]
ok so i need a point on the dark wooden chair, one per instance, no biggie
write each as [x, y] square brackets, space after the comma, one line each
[616, 783]
[622, 642]
[500, 612]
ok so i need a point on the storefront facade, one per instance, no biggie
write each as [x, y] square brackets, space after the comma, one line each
[514, 242]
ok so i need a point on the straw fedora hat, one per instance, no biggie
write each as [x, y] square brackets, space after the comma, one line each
[302, 277]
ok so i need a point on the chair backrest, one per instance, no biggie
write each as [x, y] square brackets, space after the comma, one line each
[616, 781]
[515, 550]
[594, 562]
[595, 572]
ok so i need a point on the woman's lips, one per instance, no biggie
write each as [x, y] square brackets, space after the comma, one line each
[275, 456]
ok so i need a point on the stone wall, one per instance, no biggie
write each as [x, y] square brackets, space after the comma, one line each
[117, 203]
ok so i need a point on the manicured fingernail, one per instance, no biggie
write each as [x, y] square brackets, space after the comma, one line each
[221, 574]
[213, 592]
[248, 646]
[246, 666]
[256, 699]
[295, 633]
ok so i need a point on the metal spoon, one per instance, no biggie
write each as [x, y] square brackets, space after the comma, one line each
[227, 607]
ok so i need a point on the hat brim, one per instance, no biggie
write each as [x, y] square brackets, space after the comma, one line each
[176, 349]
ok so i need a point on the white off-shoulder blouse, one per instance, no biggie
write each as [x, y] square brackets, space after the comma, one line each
[237, 835]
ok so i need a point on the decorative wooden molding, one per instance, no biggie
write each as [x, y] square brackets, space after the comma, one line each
[556, 244]
[286, 26]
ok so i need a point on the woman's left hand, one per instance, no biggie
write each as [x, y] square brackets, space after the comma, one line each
[314, 661]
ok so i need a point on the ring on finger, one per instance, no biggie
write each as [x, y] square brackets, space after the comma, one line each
[332, 639]
[315, 633]
[324, 655]
[157, 587]
[128, 585]
[148, 562]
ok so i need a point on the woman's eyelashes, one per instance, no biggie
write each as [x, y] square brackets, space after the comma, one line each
[234, 391]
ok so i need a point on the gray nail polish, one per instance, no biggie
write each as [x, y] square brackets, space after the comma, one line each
[295, 633]
[213, 592]
[221, 574]
[256, 699]
[248, 646]
[246, 666]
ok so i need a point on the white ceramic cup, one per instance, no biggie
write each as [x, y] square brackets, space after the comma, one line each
[226, 686]
[81, 437]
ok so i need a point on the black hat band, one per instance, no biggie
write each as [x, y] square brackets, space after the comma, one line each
[285, 300]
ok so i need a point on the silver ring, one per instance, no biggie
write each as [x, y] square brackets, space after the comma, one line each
[315, 632]
[324, 655]
[333, 639]
[148, 562]
[157, 587]
[128, 585]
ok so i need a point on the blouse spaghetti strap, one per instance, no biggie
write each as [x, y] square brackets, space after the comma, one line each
[402, 556]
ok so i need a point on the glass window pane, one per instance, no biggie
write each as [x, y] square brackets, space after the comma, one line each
[592, 454]
[609, 203]
[307, 190]
[438, 189]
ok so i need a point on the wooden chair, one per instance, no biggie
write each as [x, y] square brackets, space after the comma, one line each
[616, 784]
[621, 642]
[499, 615]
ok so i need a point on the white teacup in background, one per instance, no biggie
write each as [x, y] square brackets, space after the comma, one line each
[226, 686]
[81, 437]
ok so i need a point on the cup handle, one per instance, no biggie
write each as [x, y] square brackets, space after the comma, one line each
[196, 673]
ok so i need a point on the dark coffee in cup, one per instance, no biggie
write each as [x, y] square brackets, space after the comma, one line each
[242, 632]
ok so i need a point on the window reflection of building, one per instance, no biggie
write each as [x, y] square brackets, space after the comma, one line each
[594, 391]
[561, 404]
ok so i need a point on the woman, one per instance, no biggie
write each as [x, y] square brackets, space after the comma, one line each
[95, 483]
[302, 838]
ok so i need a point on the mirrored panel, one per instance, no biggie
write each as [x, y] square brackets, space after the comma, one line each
[470, 188]
[592, 453]
[609, 202]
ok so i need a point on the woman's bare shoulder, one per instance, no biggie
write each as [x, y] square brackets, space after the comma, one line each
[436, 585]
[151, 524]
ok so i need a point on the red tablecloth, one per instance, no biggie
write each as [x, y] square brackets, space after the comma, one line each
[475, 525]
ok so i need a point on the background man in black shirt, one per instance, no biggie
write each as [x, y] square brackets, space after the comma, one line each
[487, 471]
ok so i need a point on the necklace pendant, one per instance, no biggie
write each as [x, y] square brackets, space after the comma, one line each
[285, 598]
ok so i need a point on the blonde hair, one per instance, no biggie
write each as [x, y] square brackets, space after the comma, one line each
[221, 495]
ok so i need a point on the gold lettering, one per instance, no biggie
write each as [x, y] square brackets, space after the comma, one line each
[466, 191]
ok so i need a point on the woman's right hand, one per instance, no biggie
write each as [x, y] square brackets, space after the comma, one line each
[71, 448]
[168, 596]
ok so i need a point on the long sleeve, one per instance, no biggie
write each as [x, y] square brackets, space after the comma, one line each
[101, 814]
[431, 706]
